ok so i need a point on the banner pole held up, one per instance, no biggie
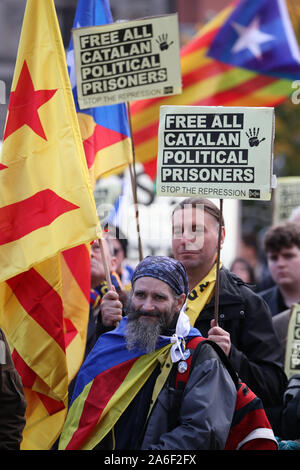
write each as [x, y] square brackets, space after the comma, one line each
[106, 268]
[217, 290]
[133, 186]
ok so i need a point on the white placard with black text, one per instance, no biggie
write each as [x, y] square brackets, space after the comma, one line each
[215, 152]
[127, 61]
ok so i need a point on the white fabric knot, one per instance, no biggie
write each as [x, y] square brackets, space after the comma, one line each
[182, 330]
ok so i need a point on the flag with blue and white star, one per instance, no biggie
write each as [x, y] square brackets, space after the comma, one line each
[259, 36]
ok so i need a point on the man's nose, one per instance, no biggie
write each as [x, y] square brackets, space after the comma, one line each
[148, 305]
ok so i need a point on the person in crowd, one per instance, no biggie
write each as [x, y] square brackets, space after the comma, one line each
[99, 287]
[120, 246]
[244, 329]
[244, 270]
[145, 351]
[12, 400]
[282, 247]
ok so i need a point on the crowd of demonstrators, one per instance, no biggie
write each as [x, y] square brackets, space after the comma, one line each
[245, 331]
[152, 414]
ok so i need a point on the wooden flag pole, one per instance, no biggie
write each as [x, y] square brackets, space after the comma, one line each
[106, 268]
[133, 186]
[217, 289]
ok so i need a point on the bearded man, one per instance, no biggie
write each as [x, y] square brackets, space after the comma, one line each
[124, 398]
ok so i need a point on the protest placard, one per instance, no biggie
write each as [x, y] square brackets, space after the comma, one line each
[216, 152]
[286, 198]
[292, 352]
[127, 61]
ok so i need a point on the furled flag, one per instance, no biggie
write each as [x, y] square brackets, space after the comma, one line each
[247, 56]
[46, 206]
[107, 382]
[105, 129]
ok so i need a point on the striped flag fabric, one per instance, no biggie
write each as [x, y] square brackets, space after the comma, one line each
[107, 382]
[105, 129]
[47, 214]
[246, 56]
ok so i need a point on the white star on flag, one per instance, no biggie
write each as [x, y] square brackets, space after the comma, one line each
[250, 37]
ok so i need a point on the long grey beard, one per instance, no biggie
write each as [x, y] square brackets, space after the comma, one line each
[142, 335]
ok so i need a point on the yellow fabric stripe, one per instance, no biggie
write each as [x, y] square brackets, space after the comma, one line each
[73, 417]
[76, 308]
[41, 430]
[40, 352]
[108, 161]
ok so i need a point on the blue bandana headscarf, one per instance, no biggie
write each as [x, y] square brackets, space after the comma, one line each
[165, 269]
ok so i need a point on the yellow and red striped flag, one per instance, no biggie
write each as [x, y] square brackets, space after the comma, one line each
[207, 81]
[47, 214]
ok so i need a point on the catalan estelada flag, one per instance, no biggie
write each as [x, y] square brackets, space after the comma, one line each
[105, 129]
[47, 213]
[107, 382]
[247, 56]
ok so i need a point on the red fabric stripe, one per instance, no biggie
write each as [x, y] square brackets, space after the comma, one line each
[203, 40]
[108, 383]
[23, 217]
[259, 444]
[41, 302]
[27, 375]
[205, 71]
[70, 331]
[150, 168]
[238, 92]
[2, 167]
[52, 406]
[252, 420]
[101, 138]
[78, 261]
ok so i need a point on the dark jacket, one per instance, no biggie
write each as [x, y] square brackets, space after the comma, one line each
[196, 418]
[199, 418]
[12, 401]
[274, 299]
[255, 349]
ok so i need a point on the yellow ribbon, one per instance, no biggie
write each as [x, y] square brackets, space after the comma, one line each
[200, 295]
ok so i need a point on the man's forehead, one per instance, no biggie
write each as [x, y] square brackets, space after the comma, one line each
[151, 284]
[197, 215]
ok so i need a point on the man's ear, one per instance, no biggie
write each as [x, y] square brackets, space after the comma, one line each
[180, 301]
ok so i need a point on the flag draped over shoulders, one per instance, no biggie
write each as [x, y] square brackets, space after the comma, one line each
[246, 56]
[46, 209]
[107, 382]
[105, 129]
